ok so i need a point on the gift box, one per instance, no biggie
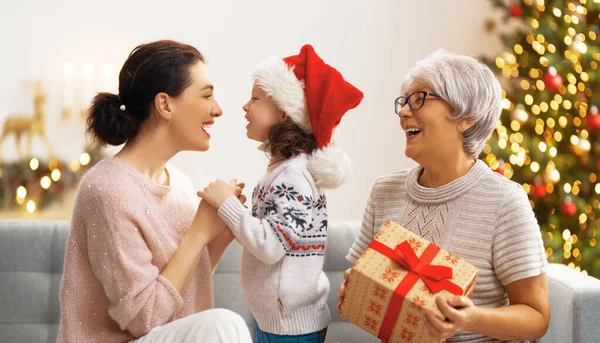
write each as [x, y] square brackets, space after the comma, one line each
[396, 278]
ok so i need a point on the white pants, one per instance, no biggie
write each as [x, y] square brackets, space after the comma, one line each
[210, 326]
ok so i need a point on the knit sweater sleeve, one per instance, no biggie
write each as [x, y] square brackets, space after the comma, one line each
[139, 297]
[367, 229]
[286, 216]
[518, 249]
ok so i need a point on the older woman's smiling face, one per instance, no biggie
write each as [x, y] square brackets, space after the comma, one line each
[429, 129]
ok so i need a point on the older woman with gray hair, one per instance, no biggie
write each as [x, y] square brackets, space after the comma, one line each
[449, 106]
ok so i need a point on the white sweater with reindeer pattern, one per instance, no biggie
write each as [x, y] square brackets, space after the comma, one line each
[284, 237]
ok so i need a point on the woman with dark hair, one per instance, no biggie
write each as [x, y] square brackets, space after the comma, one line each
[142, 249]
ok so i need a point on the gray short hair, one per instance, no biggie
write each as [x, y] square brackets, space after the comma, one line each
[469, 86]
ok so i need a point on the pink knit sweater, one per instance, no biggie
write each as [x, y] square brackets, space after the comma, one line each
[124, 230]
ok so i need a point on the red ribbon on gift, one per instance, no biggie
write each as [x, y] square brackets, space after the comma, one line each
[435, 277]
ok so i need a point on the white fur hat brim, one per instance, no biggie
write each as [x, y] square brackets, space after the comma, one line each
[279, 82]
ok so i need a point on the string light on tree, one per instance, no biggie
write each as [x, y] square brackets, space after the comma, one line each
[581, 47]
[519, 114]
[584, 146]
[553, 175]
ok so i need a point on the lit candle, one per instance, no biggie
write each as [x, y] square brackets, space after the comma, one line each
[68, 89]
[106, 78]
[88, 94]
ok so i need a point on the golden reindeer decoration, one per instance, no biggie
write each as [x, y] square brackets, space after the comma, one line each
[32, 126]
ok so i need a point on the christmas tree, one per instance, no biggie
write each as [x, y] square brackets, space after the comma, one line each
[548, 138]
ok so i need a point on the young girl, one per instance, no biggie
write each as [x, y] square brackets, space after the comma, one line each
[296, 103]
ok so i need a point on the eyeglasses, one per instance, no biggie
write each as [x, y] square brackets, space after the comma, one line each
[415, 101]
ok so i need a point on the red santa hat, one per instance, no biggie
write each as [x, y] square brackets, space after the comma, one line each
[315, 96]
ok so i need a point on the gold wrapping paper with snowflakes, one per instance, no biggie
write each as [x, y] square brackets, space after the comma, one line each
[398, 276]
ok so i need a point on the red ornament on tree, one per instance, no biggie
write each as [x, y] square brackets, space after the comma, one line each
[593, 119]
[552, 80]
[538, 190]
[568, 208]
[516, 11]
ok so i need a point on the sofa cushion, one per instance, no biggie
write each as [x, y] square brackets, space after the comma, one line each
[574, 305]
[31, 263]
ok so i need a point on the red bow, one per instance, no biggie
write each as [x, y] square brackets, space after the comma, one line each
[435, 277]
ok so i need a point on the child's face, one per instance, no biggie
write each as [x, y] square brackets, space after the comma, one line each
[262, 114]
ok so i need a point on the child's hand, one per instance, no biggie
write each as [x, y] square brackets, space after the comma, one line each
[241, 197]
[218, 191]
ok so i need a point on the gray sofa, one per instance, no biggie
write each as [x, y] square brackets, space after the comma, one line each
[31, 261]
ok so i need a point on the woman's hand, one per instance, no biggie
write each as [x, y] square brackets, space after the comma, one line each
[460, 313]
[218, 191]
[206, 224]
[343, 289]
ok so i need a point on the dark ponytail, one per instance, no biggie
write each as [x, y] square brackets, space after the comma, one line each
[157, 67]
[107, 123]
